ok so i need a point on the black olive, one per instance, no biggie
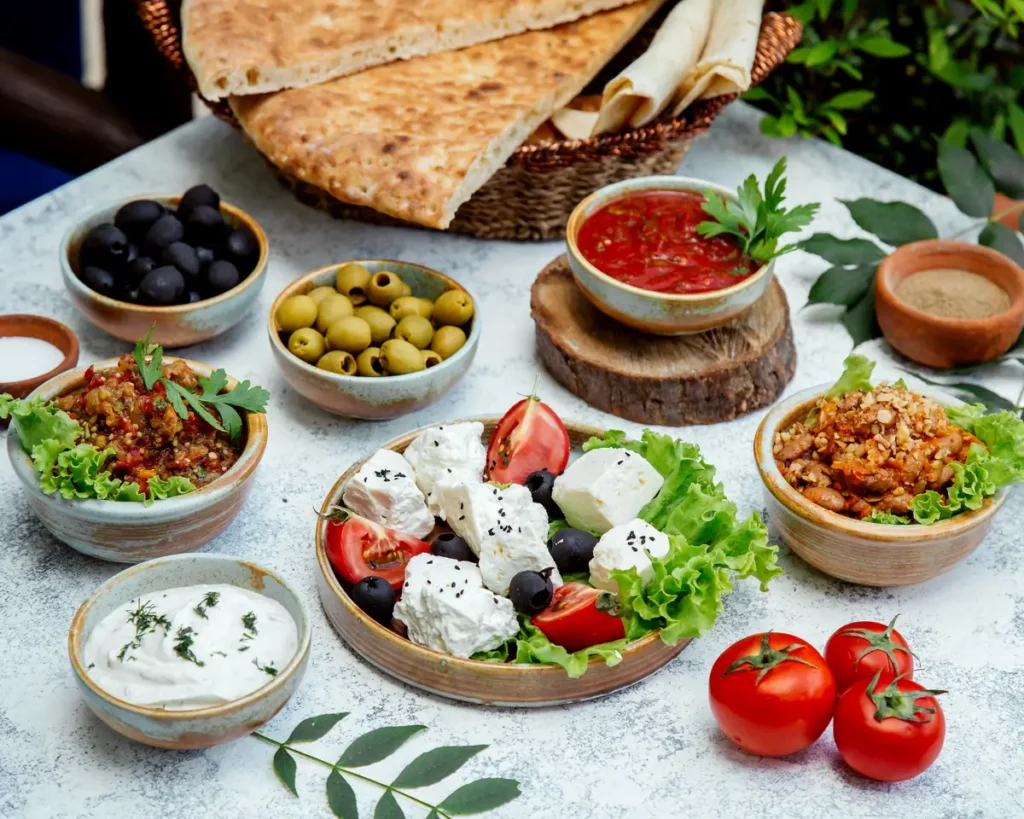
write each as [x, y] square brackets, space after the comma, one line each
[193, 297]
[164, 232]
[451, 545]
[531, 592]
[540, 484]
[375, 596]
[204, 225]
[134, 272]
[132, 295]
[105, 246]
[240, 247]
[205, 256]
[183, 257]
[163, 286]
[100, 280]
[196, 196]
[136, 217]
[221, 277]
[572, 549]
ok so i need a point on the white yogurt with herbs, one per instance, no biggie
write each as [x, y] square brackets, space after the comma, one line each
[190, 647]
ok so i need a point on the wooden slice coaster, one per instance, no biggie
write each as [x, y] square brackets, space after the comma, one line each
[666, 380]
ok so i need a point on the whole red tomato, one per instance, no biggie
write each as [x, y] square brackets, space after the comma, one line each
[889, 729]
[772, 694]
[858, 650]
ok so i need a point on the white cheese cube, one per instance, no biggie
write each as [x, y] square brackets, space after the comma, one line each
[627, 546]
[444, 606]
[605, 487]
[385, 492]
[449, 454]
[506, 554]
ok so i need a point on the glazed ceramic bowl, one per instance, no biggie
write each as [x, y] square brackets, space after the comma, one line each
[179, 325]
[125, 532]
[375, 398]
[870, 554]
[504, 684]
[945, 342]
[199, 727]
[46, 329]
[646, 310]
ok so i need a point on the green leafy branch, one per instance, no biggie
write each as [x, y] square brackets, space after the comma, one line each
[428, 768]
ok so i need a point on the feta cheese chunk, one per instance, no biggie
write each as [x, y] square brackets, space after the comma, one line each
[626, 546]
[451, 454]
[445, 607]
[605, 487]
[385, 492]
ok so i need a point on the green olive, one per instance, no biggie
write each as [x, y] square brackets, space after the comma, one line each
[351, 281]
[349, 333]
[296, 312]
[406, 290]
[337, 361]
[332, 308]
[448, 341]
[384, 288]
[368, 363]
[453, 307]
[399, 357]
[381, 324]
[416, 330]
[410, 306]
[318, 294]
[430, 358]
[307, 344]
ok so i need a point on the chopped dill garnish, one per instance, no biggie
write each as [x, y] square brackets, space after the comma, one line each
[200, 611]
[90, 666]
[145, 620]
[269, 669]
[183, 645]
[211, 599]
[244, 648]
[222, 654]
[249, 621]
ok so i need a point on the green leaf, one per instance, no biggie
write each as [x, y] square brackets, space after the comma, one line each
[856, 377]
[849, 100]
[859, 320]
[839, 285]
[387, 808]
[148, 358]
[999, 237]
[842, 251]
[879, 46]
[284, 767]
[786, 125]
[480, 796]
[966, 182]
[821, 53]
[1005, 165]
[310, 730]
[433, 815]
[433, 766]
[376, 745]
[1016, 123]
[176, 391]
[340, 797]
[756, 94]
[958, 132]
[969, 392]
[838, 120]
[895, 223]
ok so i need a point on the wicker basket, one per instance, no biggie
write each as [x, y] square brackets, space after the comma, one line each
[532, 196]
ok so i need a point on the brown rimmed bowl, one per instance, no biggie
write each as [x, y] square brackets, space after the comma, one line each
[870, 554]
[46, 329]
[127, 532]
[179, 325]
[941, 342]
[196, 727]
[484, 683]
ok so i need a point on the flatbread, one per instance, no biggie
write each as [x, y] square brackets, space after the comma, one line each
[256, 46]
[416, 139]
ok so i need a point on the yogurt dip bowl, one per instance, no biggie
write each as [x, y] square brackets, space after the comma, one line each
[199, 727]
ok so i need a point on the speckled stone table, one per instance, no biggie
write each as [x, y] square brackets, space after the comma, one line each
[650, 751]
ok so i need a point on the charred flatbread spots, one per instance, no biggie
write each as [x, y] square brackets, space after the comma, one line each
[416, 139]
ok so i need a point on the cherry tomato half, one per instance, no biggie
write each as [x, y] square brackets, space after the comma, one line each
[772, 694]
[357, 548]
[529, 437]
[858, 650]
[579, 617]
[889, 729]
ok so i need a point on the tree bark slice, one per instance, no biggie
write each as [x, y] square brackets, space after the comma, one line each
[665, 380]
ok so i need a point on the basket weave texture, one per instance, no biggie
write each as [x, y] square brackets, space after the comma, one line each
[532, 196]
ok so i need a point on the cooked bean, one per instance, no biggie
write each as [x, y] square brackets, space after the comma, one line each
[825, 497]
[795, 447]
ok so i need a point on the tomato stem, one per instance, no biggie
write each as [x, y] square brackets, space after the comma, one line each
[768, 658]
[891, 703]
[878, 641]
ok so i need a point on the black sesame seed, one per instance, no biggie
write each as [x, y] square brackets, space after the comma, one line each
[635, 549]
[436, 443]
[458, 568]
[462, 517]
[453, 584]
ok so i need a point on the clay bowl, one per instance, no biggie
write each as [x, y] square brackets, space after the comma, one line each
[869, 554]
[179, 325]
[472, 680]
[57, 334]
[125, 532]
[944, 342]
[197, 727]
[375, 399]
[666, 314]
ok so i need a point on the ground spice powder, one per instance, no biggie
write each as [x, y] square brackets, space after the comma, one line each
[952, 293]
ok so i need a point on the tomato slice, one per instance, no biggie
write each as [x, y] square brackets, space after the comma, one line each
[357, 548]
[529, 437]
[574, 620]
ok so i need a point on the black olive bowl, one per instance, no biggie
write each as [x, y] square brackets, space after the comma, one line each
[176, 325]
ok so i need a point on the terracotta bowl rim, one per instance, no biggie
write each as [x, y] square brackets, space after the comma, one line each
[27, 385]
[128, 513]
[897, 535]
[414, 649]
[76, 643]
[609, 193]
[340, 381]
[244, 217]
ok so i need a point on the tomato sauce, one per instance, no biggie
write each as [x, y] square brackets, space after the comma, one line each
[649, 240]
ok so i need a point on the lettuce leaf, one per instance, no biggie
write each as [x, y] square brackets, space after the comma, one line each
[532, 646]
[887, 517]
[856, 377]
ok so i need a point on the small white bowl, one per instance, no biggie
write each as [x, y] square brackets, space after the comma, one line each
[199, 727]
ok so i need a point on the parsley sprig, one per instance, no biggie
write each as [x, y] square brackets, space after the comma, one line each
[149, 357]
[756, 220]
